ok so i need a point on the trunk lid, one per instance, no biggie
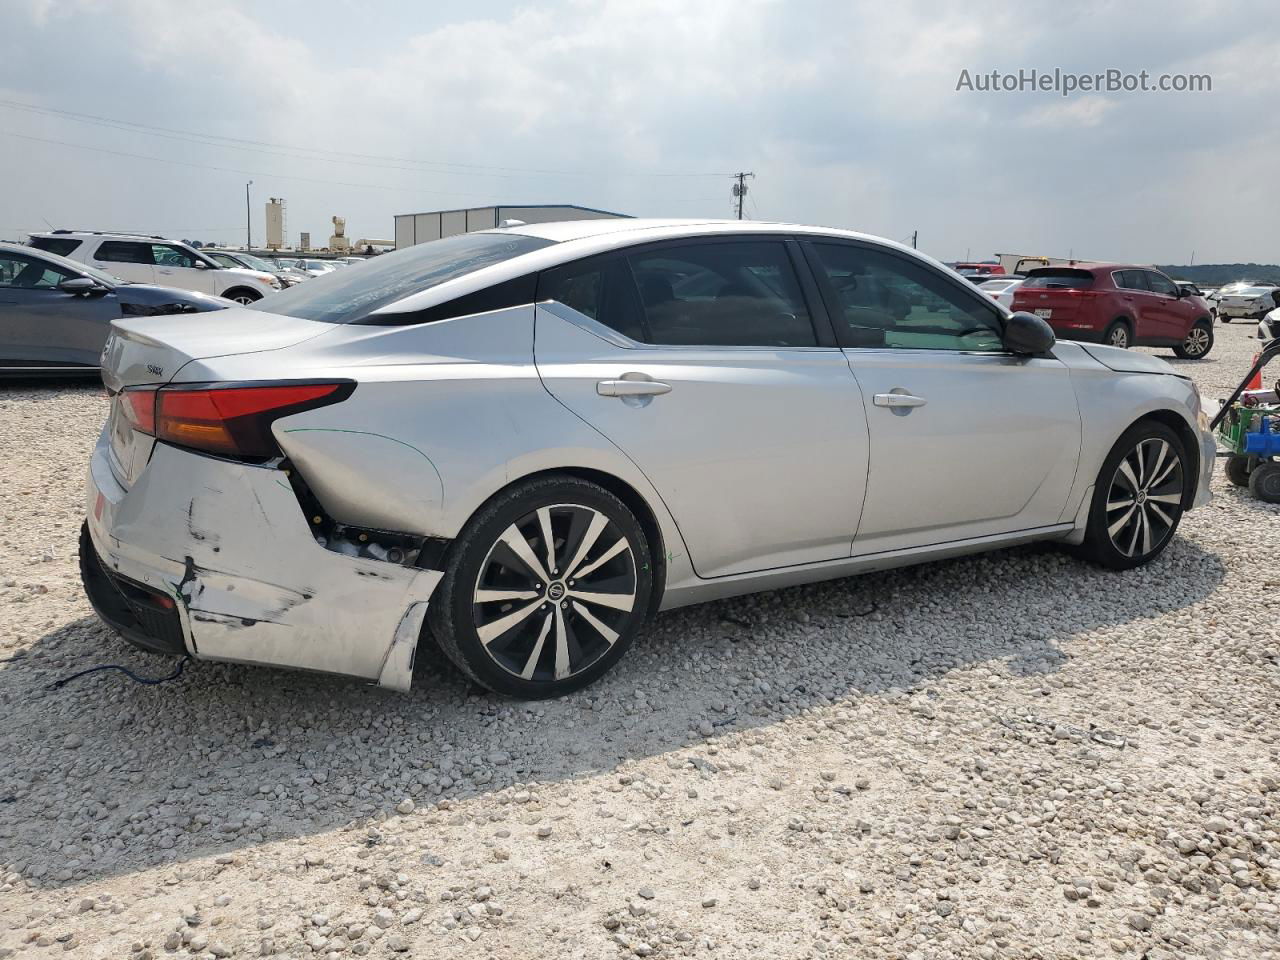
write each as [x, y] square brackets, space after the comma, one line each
[149, 350]
[1059, 295]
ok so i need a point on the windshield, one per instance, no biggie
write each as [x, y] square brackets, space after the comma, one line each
[343, 296]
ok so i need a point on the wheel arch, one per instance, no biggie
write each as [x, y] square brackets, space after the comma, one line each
[1190, 444]
[232, 292]
[634, 501]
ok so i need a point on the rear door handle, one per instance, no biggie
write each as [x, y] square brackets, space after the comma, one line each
[632, 388]
[898, 400]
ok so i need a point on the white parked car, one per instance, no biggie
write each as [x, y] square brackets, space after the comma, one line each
[1247, 301]
[1269, 326]
[313, 268]
[169, 263]
[1000, 289]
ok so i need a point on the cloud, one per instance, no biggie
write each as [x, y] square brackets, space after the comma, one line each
[846, 112]
[1086, 111]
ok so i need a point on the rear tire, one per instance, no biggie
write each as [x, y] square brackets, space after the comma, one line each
[1118, 335]
[1138, 497]
[1264, 482]
[1237, 469]
[1198, 343]
[545, 589]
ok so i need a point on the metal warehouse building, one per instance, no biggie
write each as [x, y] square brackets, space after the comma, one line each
[414, 228]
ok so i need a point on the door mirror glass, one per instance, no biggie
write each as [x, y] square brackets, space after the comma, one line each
[1026, 334]
[78, 285]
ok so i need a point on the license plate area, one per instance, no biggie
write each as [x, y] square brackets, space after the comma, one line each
[1044, 312]
[129, 449]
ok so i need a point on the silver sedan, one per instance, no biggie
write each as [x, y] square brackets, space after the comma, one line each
[524, 442]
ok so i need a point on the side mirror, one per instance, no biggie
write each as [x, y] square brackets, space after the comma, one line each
[79, 285]
[201, 265]
[1026, 334]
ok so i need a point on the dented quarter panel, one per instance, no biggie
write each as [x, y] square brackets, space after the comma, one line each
[258, 588]
[431, 396]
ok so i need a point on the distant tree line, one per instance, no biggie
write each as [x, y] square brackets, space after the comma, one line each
[1216, 274]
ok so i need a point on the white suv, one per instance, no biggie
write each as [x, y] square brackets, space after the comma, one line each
[157, 260]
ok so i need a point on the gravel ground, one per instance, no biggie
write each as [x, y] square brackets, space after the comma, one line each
[1013, 755]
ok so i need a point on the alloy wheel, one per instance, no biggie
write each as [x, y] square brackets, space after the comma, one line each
[1119, 337]
[1197, 342]
[555, 592]
[1145, 498]
[245, 299]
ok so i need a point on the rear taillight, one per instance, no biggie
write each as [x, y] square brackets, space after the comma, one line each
[139, 406]
[231, 421]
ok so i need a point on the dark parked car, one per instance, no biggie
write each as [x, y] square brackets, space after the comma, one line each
[1118, 304]
[55, 314]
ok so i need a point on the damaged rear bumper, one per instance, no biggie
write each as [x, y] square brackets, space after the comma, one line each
[228, 543]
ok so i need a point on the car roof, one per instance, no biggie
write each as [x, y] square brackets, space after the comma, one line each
[102, 233]
[576, 239]
[638, 229]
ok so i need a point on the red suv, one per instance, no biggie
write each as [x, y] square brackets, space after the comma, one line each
[1120, 305]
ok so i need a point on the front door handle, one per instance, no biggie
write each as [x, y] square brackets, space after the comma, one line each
[898, 400]
[632, 388]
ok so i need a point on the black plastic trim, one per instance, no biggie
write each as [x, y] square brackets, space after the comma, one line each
[519, 291]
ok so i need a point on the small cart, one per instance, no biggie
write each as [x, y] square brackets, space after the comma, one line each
[1248, 426]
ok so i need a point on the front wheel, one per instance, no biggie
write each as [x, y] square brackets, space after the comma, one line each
[1137, 500]
[1198, 342]
[545, 589]
[1117, 335]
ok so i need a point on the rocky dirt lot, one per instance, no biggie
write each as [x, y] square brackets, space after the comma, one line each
[1013, 755]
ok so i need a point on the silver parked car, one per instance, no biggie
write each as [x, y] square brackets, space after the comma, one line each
[55, 313]
[525, 441]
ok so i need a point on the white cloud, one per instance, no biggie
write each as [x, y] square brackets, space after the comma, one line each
[847, 112]
[1088, 111]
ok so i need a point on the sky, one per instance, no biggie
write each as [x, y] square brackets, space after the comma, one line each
[847, 113]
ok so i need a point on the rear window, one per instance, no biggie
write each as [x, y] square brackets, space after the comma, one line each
[1058, 279]
[59, 245]
[345, 296]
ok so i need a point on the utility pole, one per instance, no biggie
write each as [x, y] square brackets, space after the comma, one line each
[248, 228]
[740, 189]
[914, 234]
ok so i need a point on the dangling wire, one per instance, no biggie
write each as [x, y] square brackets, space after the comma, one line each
[57, 684]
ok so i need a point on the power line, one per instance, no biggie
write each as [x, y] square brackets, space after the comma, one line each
[206, 166]
[327, 155]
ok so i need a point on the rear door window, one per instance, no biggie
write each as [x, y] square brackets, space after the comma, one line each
[599, 288]
[728, 294]
[1131, 280]
[124, 251]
